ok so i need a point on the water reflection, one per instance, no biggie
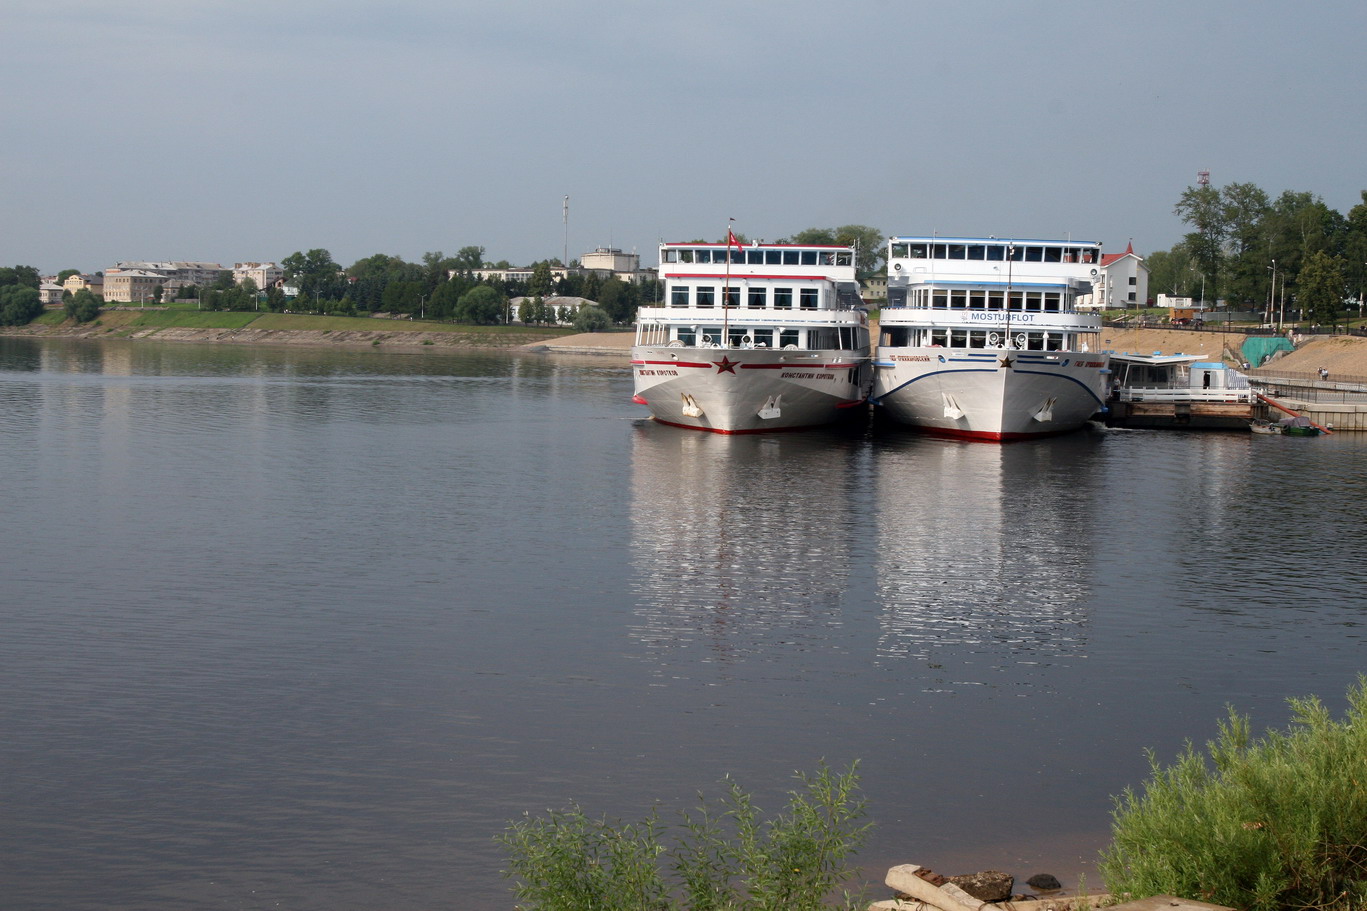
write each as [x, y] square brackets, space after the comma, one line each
[741, 544]
[984, 550]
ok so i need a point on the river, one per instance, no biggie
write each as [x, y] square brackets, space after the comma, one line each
[306, 628]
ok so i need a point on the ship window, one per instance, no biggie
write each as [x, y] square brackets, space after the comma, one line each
[711, 335]
[844, 258]
[783, 298]
[754, 257]
[1034, 254]
[937, 251]
[686, 334]
[763, 338]
[809, 257]
[808, 298]
[773, 257]
[958, 299]
[685, 256]
[977, 338]
[955, 251]
[1017, 301]
[896, 337]
[759, 297]
[995, 300]
[976, 251]
[1035, 341]
[1032, 301]
[790, 258]
[787, 337]
[1053, 254]
[702, 256]
[897, 297]
[939, 337]
[898, 251]
[732, 297]
[941, 299]
[736, 336]
[977, 300]
[706, 296]
[996, 253]
[671, 256]
[1051, 300]
[958, 338]
[917, 251]
[1053, 341]
[678, 296]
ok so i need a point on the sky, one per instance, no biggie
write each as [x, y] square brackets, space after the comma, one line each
[239, 130]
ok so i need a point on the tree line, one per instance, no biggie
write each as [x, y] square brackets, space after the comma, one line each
[1242, 241]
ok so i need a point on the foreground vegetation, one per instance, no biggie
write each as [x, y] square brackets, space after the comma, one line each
[722, 857]
[1268, 824]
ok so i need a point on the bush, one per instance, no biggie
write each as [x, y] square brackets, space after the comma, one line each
[1266, 824]
[725, 857]
[591, 319]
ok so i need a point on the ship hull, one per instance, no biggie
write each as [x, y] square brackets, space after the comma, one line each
[730, 390]
[994, 395]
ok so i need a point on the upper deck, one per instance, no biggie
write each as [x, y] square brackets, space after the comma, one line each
[990, 260]
[777, 262]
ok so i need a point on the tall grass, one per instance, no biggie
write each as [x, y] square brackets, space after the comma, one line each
[1269, 824]
[721, 857]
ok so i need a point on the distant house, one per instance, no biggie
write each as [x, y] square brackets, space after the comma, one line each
[1124, 280]
[94, 283]
[132, 286]
[263, 275]
[50, 293]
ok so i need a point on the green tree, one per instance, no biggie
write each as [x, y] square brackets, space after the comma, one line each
[65, 274]
[591, 319]
[19, 304]
[83, 306]
[481, 305]
[542, 282]
[1355, 251]
[1173, 272]
[1202, 208]
[1321, 289]
[316, 275]
[870, 251]
[468, 259]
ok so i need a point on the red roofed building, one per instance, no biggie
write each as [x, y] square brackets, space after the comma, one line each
[1124, 280]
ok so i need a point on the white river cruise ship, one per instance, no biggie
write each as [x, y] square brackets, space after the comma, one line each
[753, 338]
[980, 337]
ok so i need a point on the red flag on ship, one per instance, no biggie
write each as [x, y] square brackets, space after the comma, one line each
[731, 240]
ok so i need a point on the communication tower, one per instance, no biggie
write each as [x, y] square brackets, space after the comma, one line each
[1203, 178]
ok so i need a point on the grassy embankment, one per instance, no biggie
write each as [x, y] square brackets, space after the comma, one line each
[274, 326]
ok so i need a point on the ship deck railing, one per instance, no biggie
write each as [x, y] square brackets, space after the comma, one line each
[1182, 394]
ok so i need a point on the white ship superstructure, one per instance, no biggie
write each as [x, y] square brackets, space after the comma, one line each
[981, 339]
[753, 338]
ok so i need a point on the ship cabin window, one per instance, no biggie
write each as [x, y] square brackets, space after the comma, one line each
[773, 257]
[737, 335]
[918, 251]
[758, 298]
[977, 300]
[995, 300]
[844, 258]
[1034, 254]
[940, 299]
[896, 337]
[686, 334]
[710, 335]
[977, 252]
[1015, 254]
[787, 337]
[897, 297]
[671, 256]
[685, 256]
[1053, 254]
[762, 338]
[956, 251]
[731, 297]
[754, 257]
[958, 338]
[678, 296]
[703, 256]
[958, 299]
[706, 296]
[808, 257]
[791, 257]
[996, 253]
[897, 251]
[783, 298]
[939, 338]
[809, 298]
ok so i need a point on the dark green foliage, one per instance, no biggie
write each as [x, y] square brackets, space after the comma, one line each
[1271, 824]
[591, 319]
[723, 857]
[83, 306]
[19, 304]
[481, 305]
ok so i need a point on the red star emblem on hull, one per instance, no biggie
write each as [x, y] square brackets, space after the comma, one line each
[726, 365]
[1005, 361]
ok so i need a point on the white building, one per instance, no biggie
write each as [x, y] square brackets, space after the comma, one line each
[1124, 280]
[264, 275]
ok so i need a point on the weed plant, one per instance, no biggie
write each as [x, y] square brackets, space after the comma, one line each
[723, 856]
[1272, 824]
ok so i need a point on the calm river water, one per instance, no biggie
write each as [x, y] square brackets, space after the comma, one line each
[305, 629]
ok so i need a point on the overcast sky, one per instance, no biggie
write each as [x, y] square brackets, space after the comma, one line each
[231, 130]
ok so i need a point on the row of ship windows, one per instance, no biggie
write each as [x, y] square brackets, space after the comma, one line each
[756, 257]
[1023, 340]
[969, 299]
[757, 297]
[750, 337]
[1002, 252]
